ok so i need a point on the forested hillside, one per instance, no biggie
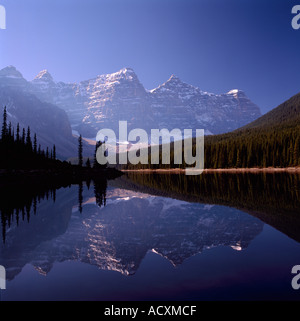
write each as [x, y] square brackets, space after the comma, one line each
[271, 140]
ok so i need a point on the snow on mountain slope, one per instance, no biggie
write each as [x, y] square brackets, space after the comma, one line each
[102, 101]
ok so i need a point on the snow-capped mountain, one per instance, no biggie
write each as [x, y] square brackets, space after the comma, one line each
[102, 101]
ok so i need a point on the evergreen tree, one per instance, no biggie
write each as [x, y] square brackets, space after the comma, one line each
[88, 163]
[28, 139]
[23, 136]
[35, 144]
[18, 133]
[54, 152]
[80, 157]
[4, 124]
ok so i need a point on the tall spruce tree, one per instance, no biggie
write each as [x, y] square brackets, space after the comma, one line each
[35, 144]
[18, 132]
[54, 152]
[28, 139]
[23, 136]
[88, 163]
[80, 149]
[4, 124]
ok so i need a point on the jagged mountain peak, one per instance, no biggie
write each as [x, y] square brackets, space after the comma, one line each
[124, 73]
[127, 70]
[174, 78]
[173, 81]
[177, 82]
[236, 93]
[175, 86]
[44, 75]
[10, 72]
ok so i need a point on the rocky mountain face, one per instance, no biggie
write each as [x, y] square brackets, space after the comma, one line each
[103, 101]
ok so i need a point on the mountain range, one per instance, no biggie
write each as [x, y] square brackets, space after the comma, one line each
[53, 109]
[102, 101]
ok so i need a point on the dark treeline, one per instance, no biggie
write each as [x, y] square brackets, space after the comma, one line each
[266, 147]
[263, 148]
[19, 150]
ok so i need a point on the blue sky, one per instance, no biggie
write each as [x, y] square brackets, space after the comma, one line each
[216, 45]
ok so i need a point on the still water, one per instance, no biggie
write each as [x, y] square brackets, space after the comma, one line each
[153, 237]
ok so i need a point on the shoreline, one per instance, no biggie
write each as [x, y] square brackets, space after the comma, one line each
[62, 177]
[218, 170]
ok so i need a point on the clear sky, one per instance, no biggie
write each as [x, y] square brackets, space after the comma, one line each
[216, 45]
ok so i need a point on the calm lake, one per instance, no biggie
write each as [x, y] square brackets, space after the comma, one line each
[153, 237]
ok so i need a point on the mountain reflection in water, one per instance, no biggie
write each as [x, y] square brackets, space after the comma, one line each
[113, 227]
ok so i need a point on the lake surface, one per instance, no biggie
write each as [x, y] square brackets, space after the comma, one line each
[153, 237]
